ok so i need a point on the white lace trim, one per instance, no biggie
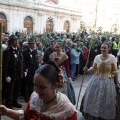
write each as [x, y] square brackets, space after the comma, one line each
[110, 60]
[34, 101]
[60, 111]
[21, 115]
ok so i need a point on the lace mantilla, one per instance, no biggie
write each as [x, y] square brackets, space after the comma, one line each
[62, 110]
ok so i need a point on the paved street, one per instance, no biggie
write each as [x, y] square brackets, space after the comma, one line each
[77, 84]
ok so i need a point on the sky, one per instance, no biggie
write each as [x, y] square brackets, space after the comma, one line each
[76, 3]
[68, 3]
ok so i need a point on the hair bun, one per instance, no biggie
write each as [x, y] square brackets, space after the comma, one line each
[53, 64]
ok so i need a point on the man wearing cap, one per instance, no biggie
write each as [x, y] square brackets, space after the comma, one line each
[11, 73]
[31, 64]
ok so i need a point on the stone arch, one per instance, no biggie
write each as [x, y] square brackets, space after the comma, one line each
[28, 19]
[115, 28]
[49, 24]
[28, 23]
[67, 26]
[3, 19]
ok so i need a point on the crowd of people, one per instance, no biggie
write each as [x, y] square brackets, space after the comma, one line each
[43, 72]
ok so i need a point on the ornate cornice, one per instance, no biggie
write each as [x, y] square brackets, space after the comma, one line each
[40, 6]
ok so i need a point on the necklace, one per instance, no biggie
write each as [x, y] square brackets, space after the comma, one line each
[44, 107]
[104, 57]
[50, 100]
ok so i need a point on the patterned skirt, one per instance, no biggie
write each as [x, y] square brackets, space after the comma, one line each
[101, 101]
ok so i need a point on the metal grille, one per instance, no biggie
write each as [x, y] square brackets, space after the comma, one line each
[3, 16]
[28, 19]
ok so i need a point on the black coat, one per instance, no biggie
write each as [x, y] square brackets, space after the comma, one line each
[11, 63]
[31, 61]
[47, 54]
[22, 61]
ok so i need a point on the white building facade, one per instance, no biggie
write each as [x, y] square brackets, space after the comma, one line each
[34, 16]
[108, 16]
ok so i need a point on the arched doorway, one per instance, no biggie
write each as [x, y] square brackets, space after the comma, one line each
[49, 25]
[67, 26]
[3, 19]
[28, 23]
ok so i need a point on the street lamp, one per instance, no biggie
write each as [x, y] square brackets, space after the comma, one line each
[50, 19]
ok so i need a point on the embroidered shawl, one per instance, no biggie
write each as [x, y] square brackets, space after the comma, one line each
[61, 111]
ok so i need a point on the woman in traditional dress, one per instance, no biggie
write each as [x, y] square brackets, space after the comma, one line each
[62, 61]
[100, 100]
[45, 103]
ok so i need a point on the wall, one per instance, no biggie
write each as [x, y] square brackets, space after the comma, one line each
[16, 11]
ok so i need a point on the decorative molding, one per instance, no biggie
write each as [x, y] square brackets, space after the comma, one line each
[75, 19]
[40, 6]
[61, 17]
[39, 14]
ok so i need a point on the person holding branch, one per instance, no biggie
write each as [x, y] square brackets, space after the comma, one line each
[100, 101]
[45, 103]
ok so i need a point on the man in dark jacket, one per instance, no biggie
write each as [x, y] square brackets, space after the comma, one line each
[31, 65]
[11, 73]
[103, 39]
[49, 51]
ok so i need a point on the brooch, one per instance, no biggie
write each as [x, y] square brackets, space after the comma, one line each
[30, 55]
[15, 55]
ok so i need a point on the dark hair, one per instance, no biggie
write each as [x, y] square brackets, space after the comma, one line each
[113, 39]
[50, 71]
[60, 44]
[103, 39]
[52, 41]
[82, 34]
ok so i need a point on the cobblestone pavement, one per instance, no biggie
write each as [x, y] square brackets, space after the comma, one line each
[77, 84]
